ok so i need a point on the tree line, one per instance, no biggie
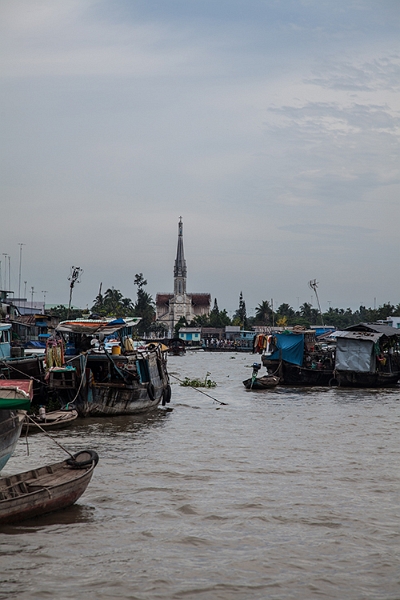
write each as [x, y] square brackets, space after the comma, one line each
[113, 304]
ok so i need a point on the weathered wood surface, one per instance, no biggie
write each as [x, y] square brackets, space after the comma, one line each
[46, 489]
[261, 383]
[57, 419]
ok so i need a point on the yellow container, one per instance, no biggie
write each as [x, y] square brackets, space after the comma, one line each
[116, 350]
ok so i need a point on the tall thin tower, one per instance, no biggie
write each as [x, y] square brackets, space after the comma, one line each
[180, 271]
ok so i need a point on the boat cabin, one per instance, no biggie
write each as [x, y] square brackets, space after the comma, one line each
[367, 354]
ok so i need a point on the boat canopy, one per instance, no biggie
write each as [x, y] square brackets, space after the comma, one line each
[16, 394]
[290, 348]
[94, 326]
[355, 351]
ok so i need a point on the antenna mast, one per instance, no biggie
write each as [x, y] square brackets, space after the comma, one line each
[74, 278]
[313, 284]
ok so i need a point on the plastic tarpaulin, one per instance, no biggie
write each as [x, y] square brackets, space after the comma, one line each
[355, 355]
[15, 404]
[290, 348]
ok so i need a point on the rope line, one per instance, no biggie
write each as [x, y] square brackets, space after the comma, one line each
[48, 435]
[8, 366]
[201, 391]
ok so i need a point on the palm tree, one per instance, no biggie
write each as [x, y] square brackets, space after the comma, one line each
[263, 313]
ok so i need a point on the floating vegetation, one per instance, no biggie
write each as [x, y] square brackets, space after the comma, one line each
[206, 382]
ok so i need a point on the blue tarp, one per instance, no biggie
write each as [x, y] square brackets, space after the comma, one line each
[290, 348]
[35, 344]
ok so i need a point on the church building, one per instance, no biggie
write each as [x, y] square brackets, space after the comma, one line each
[171, 307]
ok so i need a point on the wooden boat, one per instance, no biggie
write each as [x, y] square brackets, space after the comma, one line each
[367, 355]
[298, 358]
[56, 419]
[46, 489]
[96, 382]
[261, 383]
[176, 347]
[15, 399]
[19, 367]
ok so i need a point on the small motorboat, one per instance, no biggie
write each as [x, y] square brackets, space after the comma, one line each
[56, 419]
[46, 489]
[260, 383]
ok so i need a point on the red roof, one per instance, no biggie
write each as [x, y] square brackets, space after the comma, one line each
[197, 299]
[163, 298]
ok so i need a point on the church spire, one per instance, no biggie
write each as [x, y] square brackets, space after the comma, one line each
[180, 264]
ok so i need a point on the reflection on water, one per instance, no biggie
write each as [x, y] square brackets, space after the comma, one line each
[286, 493]
[78, 513]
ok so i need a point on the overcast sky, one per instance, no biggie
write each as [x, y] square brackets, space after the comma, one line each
[271, 126]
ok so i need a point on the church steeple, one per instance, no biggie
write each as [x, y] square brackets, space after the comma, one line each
[180, 264]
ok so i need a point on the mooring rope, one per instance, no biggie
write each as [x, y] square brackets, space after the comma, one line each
[48, 435]
[8, 366]
[197, 390]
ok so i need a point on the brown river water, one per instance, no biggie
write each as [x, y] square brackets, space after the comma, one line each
[284, 494]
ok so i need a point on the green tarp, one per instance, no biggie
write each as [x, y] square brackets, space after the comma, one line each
[14, 403]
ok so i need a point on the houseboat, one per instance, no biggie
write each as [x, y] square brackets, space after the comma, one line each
[367, 355]
[99, 382]
[296, 357]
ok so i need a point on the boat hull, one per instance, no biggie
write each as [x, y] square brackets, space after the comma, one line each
[261, 383]
[120, 385]
[367, 380]
[10, 431]
[119, 399]
[58, 419]
[41, 491]
[295, 375]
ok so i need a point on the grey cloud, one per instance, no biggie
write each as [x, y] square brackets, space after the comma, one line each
[381, 73]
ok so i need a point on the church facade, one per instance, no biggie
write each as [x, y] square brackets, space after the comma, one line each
[172, 307]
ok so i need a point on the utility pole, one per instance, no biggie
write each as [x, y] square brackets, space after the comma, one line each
[76, 272]
[273, 314]
[19, 273]
[32, 292]
[5, 270]
[44, 292]
[313, 285]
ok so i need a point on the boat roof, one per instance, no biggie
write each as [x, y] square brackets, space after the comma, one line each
[375, 328]
[366, 336]
[24, 386]
[5, 326]
[93, 326]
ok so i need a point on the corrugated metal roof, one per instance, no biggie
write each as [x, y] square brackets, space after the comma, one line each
[364, 336]
[376, 328]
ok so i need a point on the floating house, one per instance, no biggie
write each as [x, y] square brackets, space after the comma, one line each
[367, 355]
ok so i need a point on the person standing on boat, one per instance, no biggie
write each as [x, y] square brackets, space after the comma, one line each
[42, 413]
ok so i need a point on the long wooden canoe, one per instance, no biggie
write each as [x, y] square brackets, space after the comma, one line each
[56, 419]
[45, 489]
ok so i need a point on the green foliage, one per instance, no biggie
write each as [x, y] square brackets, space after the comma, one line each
[206, 382]
[181, 323]
[263, 314]
[160, 329]
[112, 304]
[240, 316]
[61, 312]
[144, 306]
[216, 318]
